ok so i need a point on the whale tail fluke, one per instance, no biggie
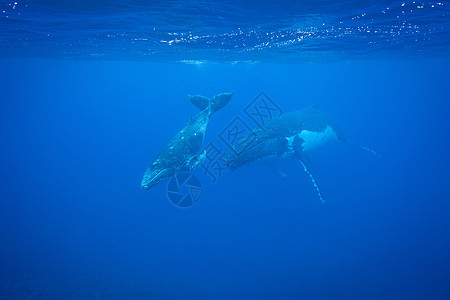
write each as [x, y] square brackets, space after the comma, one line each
[214, 104]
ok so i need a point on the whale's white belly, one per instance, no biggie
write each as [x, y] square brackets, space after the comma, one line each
[313, 139]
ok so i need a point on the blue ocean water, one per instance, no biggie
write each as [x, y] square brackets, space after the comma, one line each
[92, 91]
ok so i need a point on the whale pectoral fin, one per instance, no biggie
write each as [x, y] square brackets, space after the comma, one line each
[194, 161]
[364, 148]
[308, 171]
[280, 172]
[307, 167]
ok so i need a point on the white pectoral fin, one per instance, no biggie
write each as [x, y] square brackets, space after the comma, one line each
[364, 148]
[307, 166]
[307, 170]
[200, 158]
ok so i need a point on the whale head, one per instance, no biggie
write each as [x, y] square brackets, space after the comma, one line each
[155, 175]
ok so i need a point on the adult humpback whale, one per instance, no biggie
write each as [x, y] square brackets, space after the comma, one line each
[181, 153]
[289, 135]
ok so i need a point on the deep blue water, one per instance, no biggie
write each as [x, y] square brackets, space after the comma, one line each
[90, 92]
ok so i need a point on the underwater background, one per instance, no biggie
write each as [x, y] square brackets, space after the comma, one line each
[90, 92]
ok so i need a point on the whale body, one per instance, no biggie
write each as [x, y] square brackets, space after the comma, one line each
[182, 152]
[289, 135]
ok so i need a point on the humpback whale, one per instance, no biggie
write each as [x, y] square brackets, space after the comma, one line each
[289, 135]
[182, 152]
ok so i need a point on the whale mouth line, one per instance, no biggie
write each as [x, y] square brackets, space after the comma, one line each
[153, 181]
[157, 174]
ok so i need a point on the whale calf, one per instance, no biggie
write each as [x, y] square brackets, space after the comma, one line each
[289, 135]
[182, 152]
